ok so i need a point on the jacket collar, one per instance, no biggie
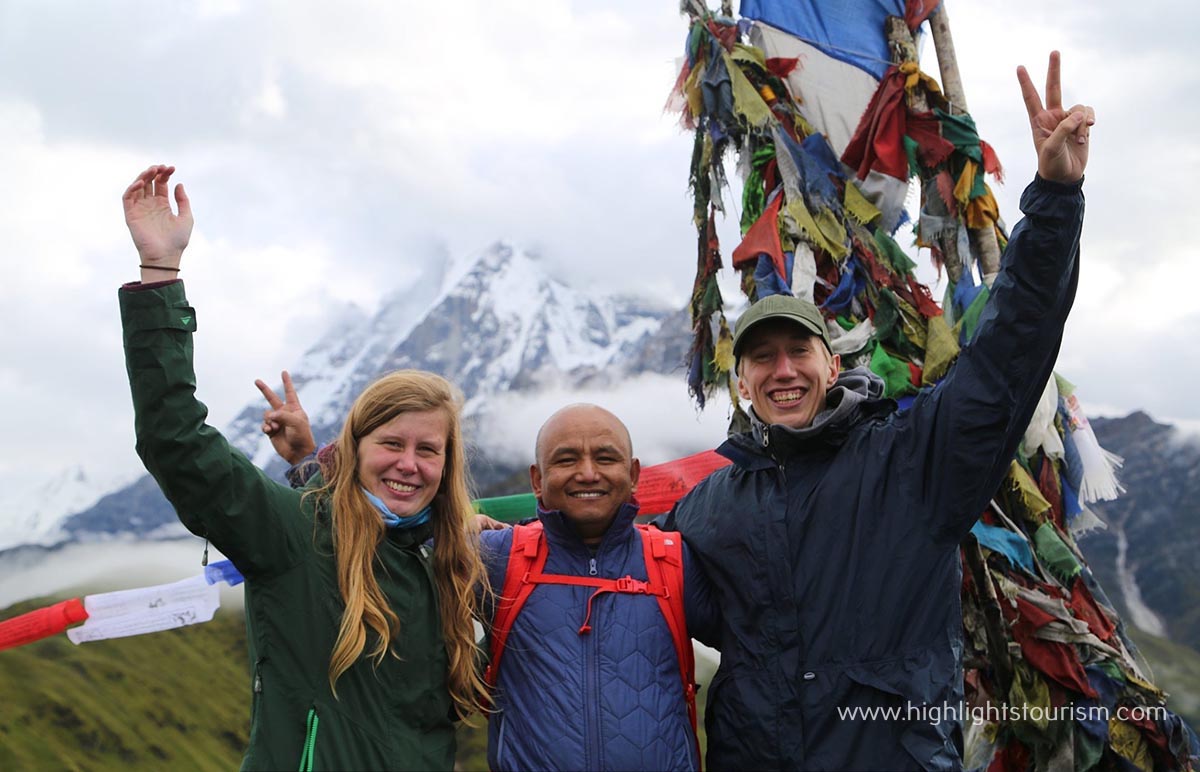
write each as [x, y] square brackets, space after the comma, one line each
[856, 396]
[560, 530]
[405, 537]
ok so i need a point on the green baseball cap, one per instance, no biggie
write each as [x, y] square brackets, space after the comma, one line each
[792, 309]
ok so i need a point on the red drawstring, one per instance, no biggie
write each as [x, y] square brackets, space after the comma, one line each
[626, 584]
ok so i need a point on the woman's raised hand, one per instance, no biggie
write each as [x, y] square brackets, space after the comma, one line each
[159, 234]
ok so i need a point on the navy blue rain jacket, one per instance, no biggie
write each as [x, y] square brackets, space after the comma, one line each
[833, 550]
[611, 699]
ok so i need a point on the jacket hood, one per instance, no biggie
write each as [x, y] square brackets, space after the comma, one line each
[843, 405]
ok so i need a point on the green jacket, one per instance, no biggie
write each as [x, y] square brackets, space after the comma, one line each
[394, 716]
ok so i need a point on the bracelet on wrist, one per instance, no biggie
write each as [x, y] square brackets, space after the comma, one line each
[159, 268]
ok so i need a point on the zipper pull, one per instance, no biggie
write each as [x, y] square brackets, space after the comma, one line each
[592, 567]
[204, 559]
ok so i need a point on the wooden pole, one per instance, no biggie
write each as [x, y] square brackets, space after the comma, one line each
[983, 240]
[943, 44]
[904, 49]
[993, 619]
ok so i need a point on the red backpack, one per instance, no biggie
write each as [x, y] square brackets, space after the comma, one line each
[663, 553]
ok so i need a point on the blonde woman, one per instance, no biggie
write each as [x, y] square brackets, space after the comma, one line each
[360, 634]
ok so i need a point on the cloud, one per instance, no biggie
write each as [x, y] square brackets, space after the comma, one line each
[662, 424]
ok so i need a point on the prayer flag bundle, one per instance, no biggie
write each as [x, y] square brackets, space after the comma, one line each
[829, 115]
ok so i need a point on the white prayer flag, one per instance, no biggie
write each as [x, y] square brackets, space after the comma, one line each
[147, 610]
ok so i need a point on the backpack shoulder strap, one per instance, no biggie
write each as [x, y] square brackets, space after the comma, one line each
[527, 556]
[663, 552]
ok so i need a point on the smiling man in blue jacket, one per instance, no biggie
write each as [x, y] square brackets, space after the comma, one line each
[832, 539]
[610, 699]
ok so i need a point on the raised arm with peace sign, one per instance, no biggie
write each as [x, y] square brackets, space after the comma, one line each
[1060, 136]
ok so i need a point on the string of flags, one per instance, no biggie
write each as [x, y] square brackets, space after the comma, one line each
[829, 117]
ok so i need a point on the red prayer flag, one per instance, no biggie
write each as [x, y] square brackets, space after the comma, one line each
[1057, 661]
[878, 142]
[917, 11]
[915, 373]
[763, 239]
[926, 130]
[991, 161]
[1084, 607]
[661, 485]
[1012, 756]
[726, 34]
[782, 66]
[1049, 486]
[41, 623]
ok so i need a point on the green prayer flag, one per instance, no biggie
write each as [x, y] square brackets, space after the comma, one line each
[910, 149]
[1055, 554]
[960, 131]
[897, 378]
[508, 509]
[902, 265]
[970, 318]
[948, 302]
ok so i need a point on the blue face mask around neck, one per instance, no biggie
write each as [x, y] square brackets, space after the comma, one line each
[392, 520]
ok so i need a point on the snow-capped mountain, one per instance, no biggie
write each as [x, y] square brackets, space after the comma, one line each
[495, 324]
[498, 324]
[35, 516]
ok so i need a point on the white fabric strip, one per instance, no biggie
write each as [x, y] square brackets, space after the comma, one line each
[147, 610]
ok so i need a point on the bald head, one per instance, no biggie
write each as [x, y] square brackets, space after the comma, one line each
[575, 419]
[585, 468]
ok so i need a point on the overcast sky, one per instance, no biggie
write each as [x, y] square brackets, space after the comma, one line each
[331, 150]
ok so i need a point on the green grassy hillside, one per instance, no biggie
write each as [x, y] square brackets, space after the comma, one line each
[1176, 670]
[172, 700]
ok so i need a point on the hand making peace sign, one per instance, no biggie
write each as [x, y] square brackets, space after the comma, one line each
[286, 423]
[1060, 136]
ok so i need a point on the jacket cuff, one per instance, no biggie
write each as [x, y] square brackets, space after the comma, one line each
[157, 306]
[303, 470]
[1055, 200]
[1050, 186]
[137, 286]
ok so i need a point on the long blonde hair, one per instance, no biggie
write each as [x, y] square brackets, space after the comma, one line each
[358, 530]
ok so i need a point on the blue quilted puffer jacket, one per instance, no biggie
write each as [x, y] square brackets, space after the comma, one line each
[607, 700]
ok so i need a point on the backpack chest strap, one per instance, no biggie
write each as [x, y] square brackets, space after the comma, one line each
[626, 584]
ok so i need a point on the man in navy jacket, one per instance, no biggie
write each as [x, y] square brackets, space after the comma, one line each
[832, 539]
